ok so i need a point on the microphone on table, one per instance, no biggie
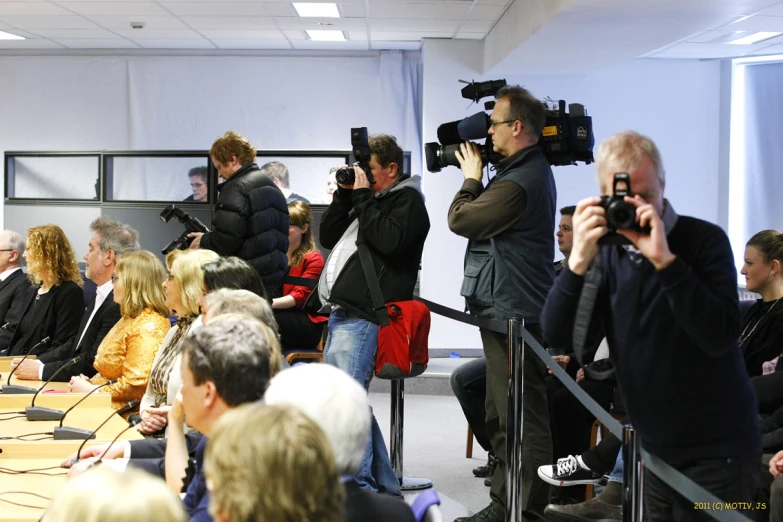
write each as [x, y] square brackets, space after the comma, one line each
[91, 434]
[62, 432]
[132, 424]
[39, 413]
[14, 389]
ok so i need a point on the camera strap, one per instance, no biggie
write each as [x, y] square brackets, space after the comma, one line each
[368, 266]
[584, 310]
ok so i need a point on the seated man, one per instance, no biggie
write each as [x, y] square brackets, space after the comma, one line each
[338, 404]
[110, 239]
[198, 184]
[278, 173]
[13, 284]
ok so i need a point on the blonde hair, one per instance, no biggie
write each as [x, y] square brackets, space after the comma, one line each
[301, 215]
[233, 144]
[190, 276]
[50, 258]
[626, 150]
[285, 472]
[102, 494]
[270, 336]
[141, 275]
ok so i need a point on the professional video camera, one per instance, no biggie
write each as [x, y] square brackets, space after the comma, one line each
[191, 225]
[567, 136]
[360, 147]
[619, 214]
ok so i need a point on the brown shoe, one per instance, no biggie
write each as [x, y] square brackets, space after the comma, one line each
[593, 510]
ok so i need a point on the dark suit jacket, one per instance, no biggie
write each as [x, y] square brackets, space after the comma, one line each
[149, 454]
[58, 318]
[362, 506]
[105, 318]
[12, 296]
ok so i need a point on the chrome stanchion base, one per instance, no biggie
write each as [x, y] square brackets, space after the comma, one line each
[395, 449]
[415, 484]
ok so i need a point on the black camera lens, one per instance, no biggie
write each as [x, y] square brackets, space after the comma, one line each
[345, 176]
[621, 214]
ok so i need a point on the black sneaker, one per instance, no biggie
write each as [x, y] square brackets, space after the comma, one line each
[568, 472]
[487, 469]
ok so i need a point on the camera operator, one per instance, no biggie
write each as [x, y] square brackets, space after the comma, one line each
[669, 304]
[388, 215]
[251, 215]
[508, 272]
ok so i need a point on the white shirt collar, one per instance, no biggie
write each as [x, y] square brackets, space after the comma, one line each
[105, 289]
[8, 272]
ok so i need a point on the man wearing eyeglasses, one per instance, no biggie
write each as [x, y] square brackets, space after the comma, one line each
[508, 273]
[13, 284]
[198, 184]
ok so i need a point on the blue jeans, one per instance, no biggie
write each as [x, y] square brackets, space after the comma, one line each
[617, 473]
[351, 346]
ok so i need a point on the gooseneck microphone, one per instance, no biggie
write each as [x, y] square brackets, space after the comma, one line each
[66, 433]
[38, 413]
[132, 424]
[91, 434]
[8, 388]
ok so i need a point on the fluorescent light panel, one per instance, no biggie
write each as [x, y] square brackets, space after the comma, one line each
[9, 36]
[316, 10]
[756, 37]
[320, 35]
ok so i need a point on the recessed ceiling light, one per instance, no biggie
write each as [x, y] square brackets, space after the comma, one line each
[319, 35]
[757, 37]
[9, 36]
[313, 10]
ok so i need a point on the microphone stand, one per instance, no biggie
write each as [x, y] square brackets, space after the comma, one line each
[39, 413]
[67, 433]
[91, 435]
[15, 389]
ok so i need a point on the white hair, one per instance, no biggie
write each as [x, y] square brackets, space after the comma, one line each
[625, 150]
[15, 241]
[334, 401]
[226, 301]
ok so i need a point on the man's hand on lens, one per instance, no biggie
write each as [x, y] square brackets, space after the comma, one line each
[654, 246]
[361, 179]
[196, 239]
[470, 161]
[589, 226]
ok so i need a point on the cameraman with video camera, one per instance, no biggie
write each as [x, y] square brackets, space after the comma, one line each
[251, 215]
[668, 299]
[508, 272]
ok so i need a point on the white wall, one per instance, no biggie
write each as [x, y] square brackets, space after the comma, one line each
[674, 102]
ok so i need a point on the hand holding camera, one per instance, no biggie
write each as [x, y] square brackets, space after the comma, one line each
[470, 160]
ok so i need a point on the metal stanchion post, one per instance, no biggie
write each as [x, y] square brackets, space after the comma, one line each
[395, 434]
[633, 505]
[516, 359]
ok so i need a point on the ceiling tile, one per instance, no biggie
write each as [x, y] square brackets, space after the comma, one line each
[351, 10]
[774, 41]
[74, 33]
[487, 12]
[29, 44]
[115, 8]
[252, 44]
[712, 50]
[150, 22]
[48, 22]
[772, 49]
[342, 24]
[775, 10]
[357, 35]
[158, 34]
[97, 43]
[463, 35]
[435, 11]
[757, 23]
[476, 26]
[279, 9]
[193, 43]
[407, 36]
[343, 46]
[215, 8]
[413, 25]
[706, 36]
[238, 23]
[295, 35]
[268, 34]
[31, 9]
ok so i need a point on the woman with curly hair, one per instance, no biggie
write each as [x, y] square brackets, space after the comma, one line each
[128, 350]
[55, 304]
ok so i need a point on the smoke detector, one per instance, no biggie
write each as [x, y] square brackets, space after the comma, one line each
[137, 25]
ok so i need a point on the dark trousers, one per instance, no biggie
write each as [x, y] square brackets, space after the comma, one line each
[572, 422]
[601, 459]
[536, 438]
[297, 331]
[469, 383]
[769, 495]
[730, 479]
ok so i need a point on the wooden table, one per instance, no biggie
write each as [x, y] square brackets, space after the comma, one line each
[32, 384]
[48, 486]
[60, 401]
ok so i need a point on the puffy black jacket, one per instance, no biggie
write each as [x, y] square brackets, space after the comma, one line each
[251, 222]
[394, 226]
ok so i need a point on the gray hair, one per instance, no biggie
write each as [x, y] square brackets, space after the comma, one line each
[15, 241]
[113, 235]
[625, 151]
[335, 401]
[275, 169]
[226, 301]
[525, 107]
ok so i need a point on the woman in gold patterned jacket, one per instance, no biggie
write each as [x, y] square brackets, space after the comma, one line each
[128, 350]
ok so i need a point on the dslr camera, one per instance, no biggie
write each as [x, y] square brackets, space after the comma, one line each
[191, 225]
[619, 214]
[360, 149]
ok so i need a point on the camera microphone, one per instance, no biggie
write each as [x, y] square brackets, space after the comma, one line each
[14, 389]
[64, 432]
[477, 90]
[91, 434]
[38, 413]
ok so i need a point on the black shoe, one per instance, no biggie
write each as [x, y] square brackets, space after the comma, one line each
[488, 481]
[591, 511]
[568, 472]
[491, 513]
[487, 469]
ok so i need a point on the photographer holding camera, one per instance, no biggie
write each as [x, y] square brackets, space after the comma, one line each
[508, 272]
[385, 210]
[251, 215]
[669, 303]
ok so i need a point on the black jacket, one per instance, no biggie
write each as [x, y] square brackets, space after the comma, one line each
[762, 325]
[251, 222]
[364, 506]
[105, 318]
[394, 226]
[150, 454]
[58, 319]
[12, 293]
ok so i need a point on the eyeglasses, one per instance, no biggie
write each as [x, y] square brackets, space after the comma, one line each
[7, 249]
[197, 185]
[114, 278]
[493, 124]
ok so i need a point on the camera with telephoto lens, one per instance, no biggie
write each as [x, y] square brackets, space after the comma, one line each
[360, 148]
[619, 213]
[191, 225]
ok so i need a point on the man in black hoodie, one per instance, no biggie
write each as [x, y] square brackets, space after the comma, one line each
[251, 215]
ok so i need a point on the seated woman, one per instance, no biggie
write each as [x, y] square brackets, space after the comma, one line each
[55, 303]
[128, 350]
[183, 289]
[298, 329]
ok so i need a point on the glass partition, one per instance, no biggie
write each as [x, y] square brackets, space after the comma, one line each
[158, 177]
[52, 176]
[308, 173]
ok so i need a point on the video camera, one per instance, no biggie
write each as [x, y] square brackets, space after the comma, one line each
[360, 146]
[619, 214]
[191, 225]
[567, 136]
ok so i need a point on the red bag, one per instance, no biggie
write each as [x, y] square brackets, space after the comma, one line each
[403, 344]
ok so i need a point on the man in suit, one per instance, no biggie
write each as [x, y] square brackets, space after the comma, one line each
[338, 404]
[110, 239]
[13, 284]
